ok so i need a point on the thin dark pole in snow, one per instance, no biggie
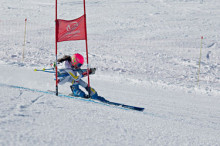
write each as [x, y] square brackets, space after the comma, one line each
[200, 60]
[87, 56]
[56, 47]
[25, 27]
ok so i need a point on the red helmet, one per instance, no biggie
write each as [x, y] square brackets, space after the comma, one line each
[77, 60]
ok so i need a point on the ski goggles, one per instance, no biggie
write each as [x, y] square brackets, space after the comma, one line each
[77, 65]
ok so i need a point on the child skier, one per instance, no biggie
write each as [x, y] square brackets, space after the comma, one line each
[69, 74]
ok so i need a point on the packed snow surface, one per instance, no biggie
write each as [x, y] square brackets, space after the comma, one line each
[146, 53]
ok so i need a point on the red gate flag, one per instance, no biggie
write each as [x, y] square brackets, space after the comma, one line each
[69, 30]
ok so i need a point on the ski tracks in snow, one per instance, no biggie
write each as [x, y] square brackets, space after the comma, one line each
[18, 103]
[28, 111]
[21, 106]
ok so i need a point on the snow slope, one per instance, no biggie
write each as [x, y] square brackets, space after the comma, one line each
[147, 54]
[170, 117]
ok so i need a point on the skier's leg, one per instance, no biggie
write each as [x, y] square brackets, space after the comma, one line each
[63, 80]
[76, 91]
[93, 93]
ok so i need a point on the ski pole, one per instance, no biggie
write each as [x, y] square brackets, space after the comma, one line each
[45, 70]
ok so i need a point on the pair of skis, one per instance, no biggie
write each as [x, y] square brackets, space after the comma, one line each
[102, 100]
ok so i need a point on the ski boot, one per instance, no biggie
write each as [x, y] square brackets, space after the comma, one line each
[77, 92]
[94, 94]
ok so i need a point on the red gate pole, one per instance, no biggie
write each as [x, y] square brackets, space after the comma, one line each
[87, 56]
[56, 47]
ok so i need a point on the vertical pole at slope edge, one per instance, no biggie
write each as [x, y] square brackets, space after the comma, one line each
[199, 61]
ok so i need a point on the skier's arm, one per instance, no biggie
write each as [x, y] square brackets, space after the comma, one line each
[84, 71]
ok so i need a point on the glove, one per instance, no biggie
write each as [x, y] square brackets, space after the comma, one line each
[92, 70]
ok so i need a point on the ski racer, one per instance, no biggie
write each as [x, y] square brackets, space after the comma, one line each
[72, 68]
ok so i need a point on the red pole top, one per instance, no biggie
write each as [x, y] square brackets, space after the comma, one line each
[201, 37]
[25, 19]
[84, 4]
